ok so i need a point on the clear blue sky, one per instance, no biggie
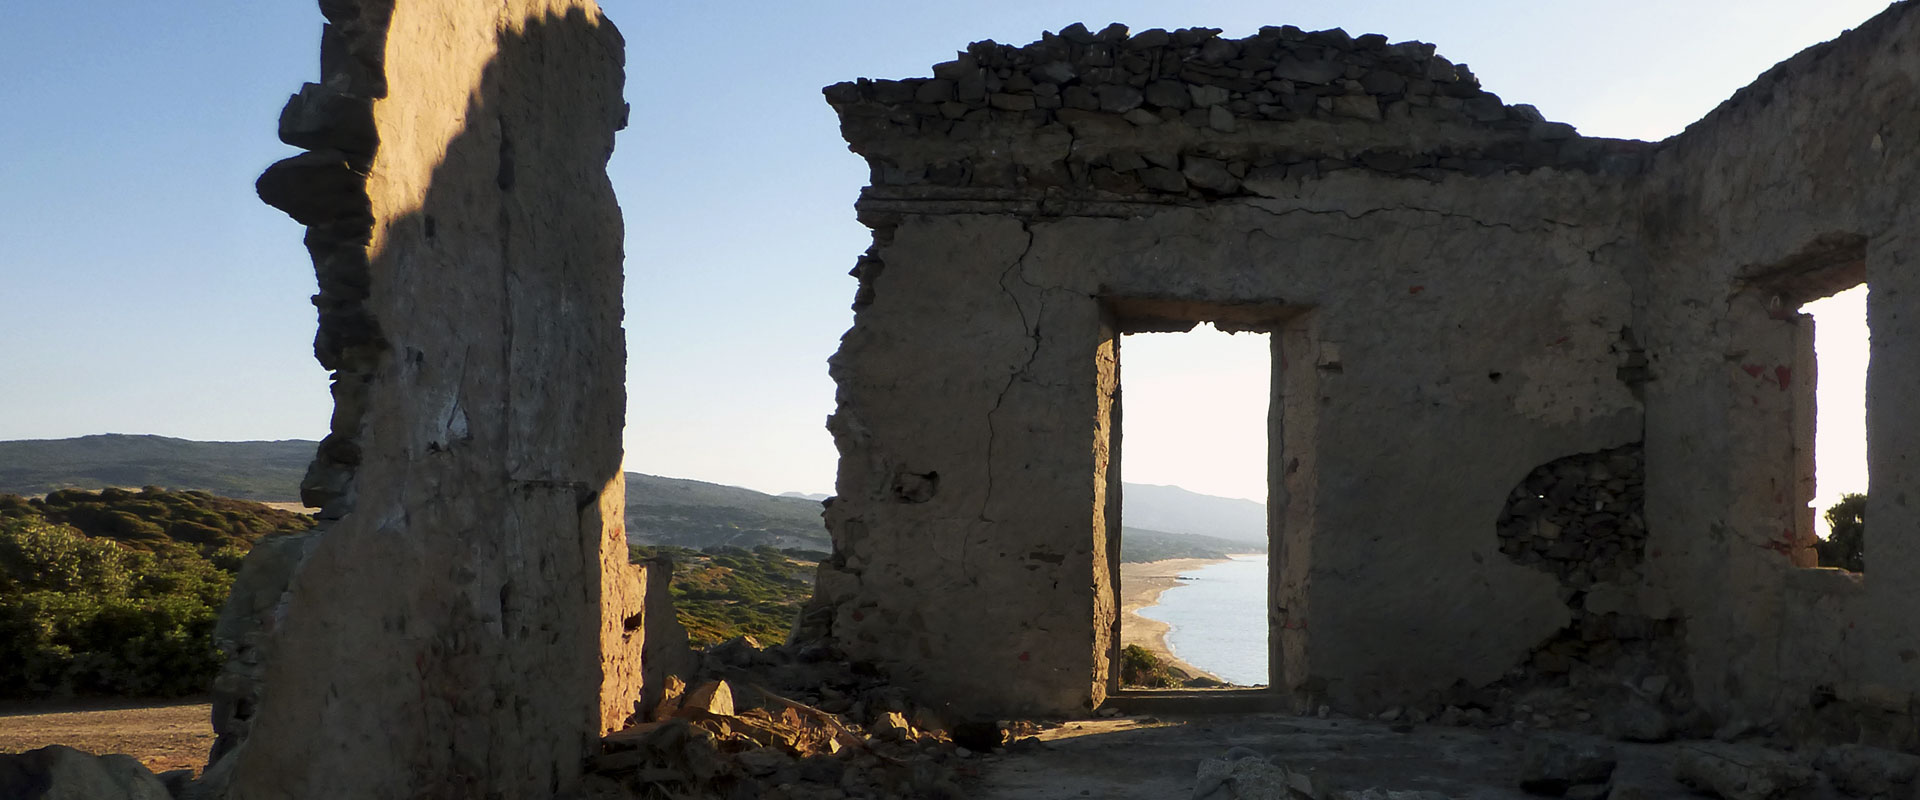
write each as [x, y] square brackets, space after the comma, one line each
[143, 288]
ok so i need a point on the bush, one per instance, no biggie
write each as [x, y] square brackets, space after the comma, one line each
[129, 610]
[1140, 667]
[728, 591]
[1846, 547]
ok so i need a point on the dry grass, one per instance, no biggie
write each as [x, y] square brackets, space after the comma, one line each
[164, 736]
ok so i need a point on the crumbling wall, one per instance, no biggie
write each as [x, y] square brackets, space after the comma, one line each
[1462, 290]
[1798, 186]
[466, 623]
[1368, 200]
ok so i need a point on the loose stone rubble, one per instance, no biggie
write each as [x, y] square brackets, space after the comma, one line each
[786, 722]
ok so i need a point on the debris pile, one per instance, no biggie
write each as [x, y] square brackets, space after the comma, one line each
[792, 722]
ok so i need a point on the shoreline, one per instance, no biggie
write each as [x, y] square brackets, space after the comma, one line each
[1141, 584]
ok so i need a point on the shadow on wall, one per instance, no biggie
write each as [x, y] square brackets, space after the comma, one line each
[436, 641]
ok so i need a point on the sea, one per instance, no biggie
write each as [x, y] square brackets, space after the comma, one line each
[1218, 615]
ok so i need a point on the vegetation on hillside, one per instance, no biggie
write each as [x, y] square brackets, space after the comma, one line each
[727, 592]
[264, 471]
[1141, 668]
[1846, 546]
[695, 514]
[1140, 544]
[116, 593]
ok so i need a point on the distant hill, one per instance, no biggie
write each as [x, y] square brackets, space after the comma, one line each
[263, 471]
[660, 511]
[686, 513]
[1176, 510]
[1140, 544]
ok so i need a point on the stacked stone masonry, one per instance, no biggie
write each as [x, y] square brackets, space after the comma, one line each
[1188, 99]
[1580, 518]
[1458, 291]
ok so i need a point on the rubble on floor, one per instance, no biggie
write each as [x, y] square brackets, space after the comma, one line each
[792, 722]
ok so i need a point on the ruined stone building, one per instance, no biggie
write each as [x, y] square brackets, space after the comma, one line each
[1541, 403]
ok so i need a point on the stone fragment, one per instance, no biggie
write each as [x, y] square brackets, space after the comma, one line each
[1551, 131]
[1167, 94]
[1126, 161]
[1739, 772]
[1162, 179]
[1204, 96]
[1119, 99]
[1243, 775]
[1551, 767]
[712, 697]
[1863, 771]
[1357, 106]
[1208, 173]
[1141, 117]
[1637, 719]
[1150, 39]
[1011, 102]
[1080, 97]
[1318, 72]
[891, 726]
[1220, 119]
[937, 90]
[315, 187]
[1053, 72]
[58, 772]
[321, 118]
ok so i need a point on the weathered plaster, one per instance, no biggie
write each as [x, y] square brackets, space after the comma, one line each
[1459, 292]
[466, 624]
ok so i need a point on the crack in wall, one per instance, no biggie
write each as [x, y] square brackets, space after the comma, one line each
[1413, 209]
[1033, 330]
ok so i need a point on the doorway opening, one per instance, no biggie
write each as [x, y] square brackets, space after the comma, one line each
[1193, 533]
[1840, 345]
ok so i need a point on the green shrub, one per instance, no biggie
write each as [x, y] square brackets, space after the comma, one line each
[1140, 667]
[1846, 546]
[117, 593]
[727, 591]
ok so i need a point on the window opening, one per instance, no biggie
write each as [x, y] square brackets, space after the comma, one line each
[1840, 342]
[1193, 540]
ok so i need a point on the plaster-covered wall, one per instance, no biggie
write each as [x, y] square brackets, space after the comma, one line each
[1461, 292]
[466, 624]
[1445, 275]
[1797, 187]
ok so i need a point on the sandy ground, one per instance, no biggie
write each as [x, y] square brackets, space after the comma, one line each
[163, 737]
[1140, 586]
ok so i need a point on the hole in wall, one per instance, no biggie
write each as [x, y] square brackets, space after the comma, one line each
[1193, 587]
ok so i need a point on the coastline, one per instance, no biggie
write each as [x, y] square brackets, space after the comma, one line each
[1140, 586]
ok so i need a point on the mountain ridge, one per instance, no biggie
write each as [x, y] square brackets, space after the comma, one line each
[681, 512]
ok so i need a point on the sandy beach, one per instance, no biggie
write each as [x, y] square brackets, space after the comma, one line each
[1140, 586]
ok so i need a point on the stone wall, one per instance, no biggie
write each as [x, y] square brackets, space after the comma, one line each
[1460, 292]
[1013, 244]
[465, 623]
[1794, 188]
[1580, 518]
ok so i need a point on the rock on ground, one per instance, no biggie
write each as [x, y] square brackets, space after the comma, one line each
[1739, 772]
[58, 772]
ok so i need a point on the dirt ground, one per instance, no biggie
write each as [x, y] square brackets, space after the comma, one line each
[163, 737]
[1145, 758]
